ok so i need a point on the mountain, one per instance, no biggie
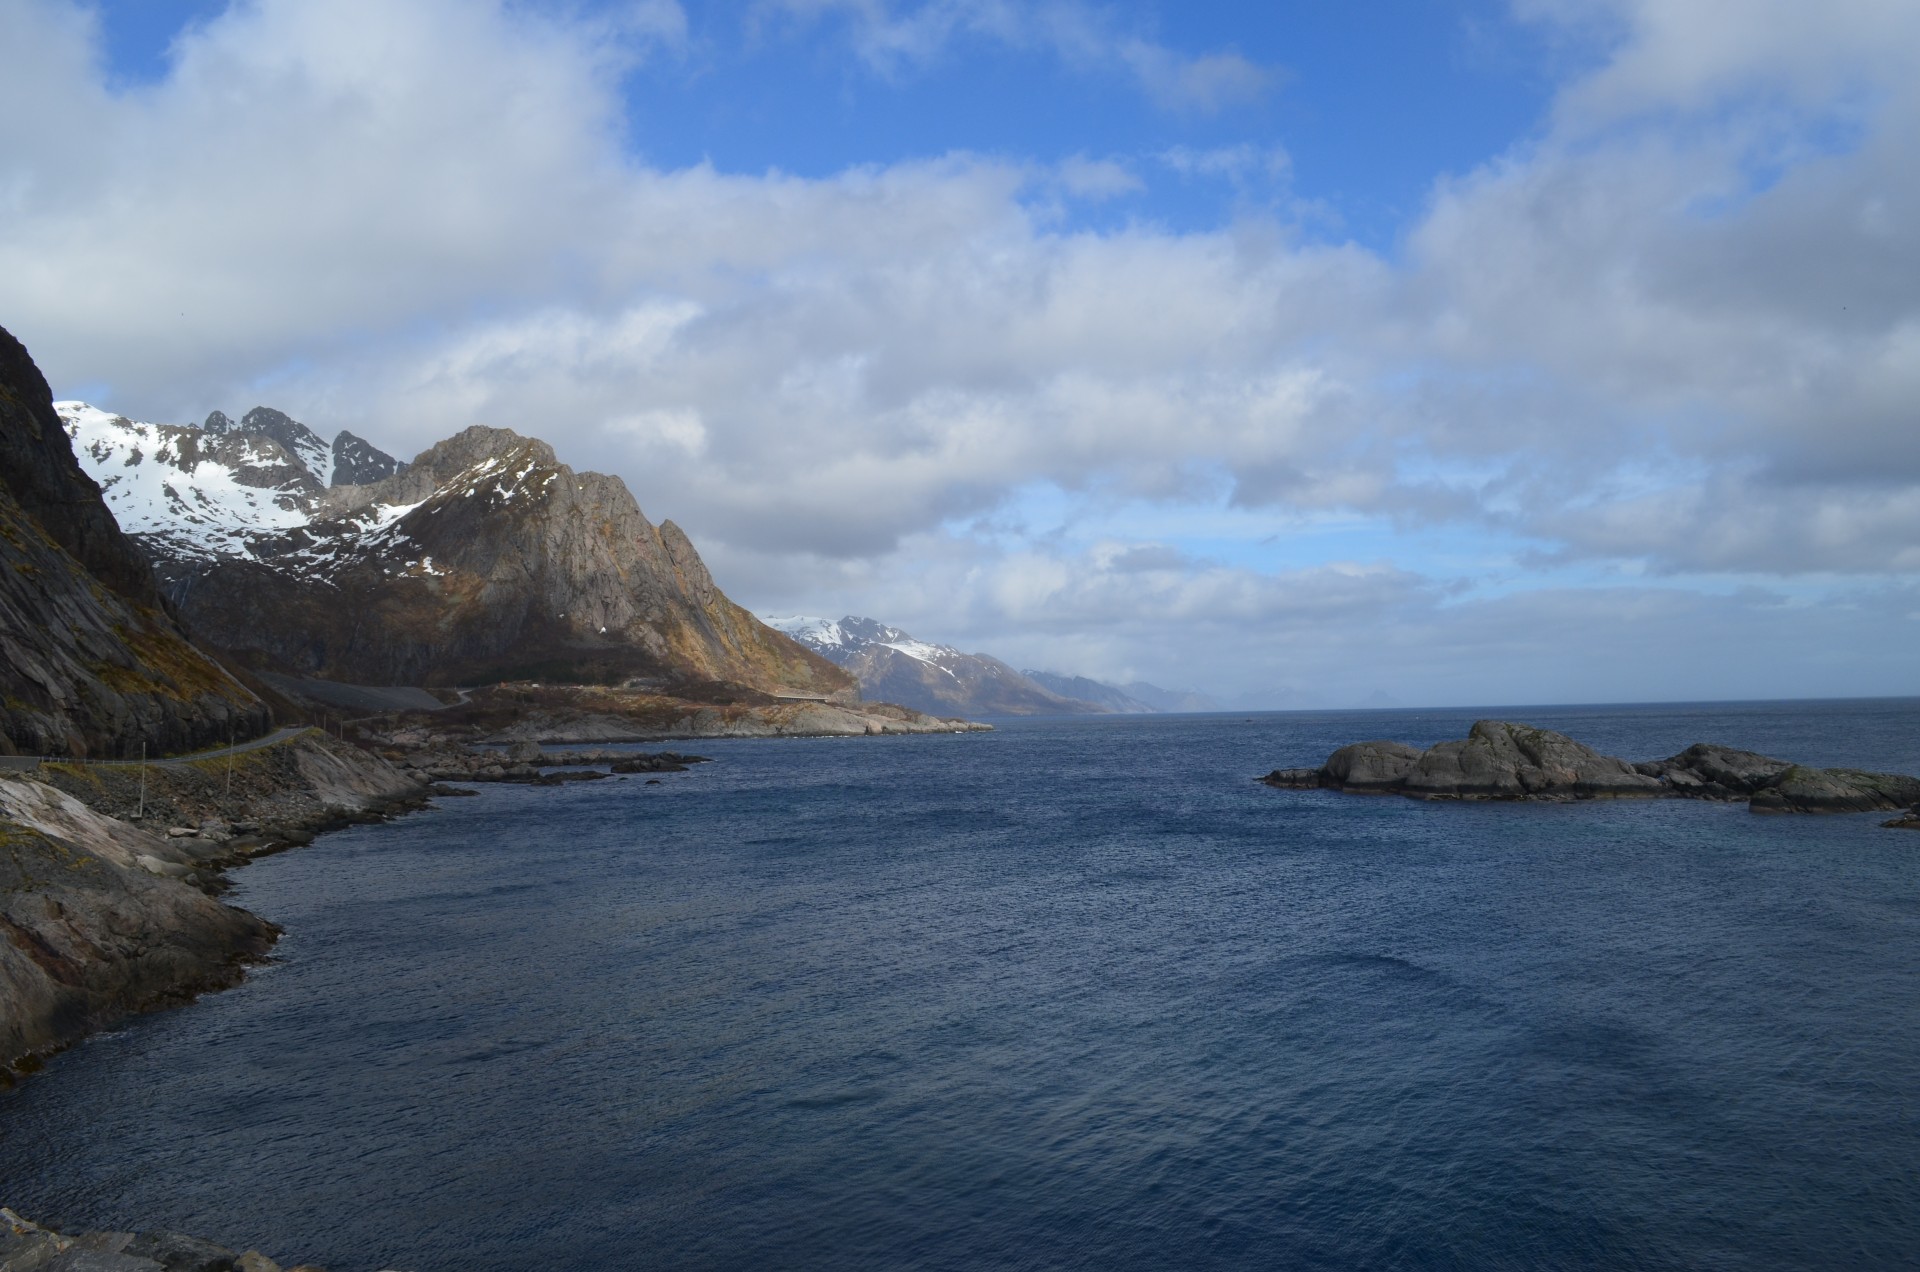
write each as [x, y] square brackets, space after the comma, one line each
[1170, 699]
[484, 559]
[92, 662]
[892, 666]
[1104, 696]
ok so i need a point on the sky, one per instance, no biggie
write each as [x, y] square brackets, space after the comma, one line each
[1303, 354]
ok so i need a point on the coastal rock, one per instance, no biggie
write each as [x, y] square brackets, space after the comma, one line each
[1371, 766]
[1499, 760]
[27, 1247]
[1502, 760]
[1359, 767]
[1908, 821]
[1810, 790]
[1710, 771]
[177, 1252]
[101, 916]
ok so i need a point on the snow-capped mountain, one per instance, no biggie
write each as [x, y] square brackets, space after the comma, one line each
[893, 666]
[484, 559]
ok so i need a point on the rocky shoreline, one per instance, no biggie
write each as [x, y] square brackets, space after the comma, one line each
[1499, 760]
[25, 1246]
[109, 877]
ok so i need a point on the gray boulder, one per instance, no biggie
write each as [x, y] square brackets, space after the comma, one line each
[1378, 766]
[1811, 790]
[1708, 771]
[1500, 760]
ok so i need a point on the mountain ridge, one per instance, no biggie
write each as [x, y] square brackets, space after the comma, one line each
[892, 665]
[485, 558]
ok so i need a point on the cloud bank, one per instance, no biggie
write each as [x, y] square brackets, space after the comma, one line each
[1649, 377]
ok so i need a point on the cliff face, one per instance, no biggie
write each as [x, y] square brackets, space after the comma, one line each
[38, 469]
[485, 559]
[91, 663]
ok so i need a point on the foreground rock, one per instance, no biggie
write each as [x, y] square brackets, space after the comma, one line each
[1910, 820]
[105, 911]
[1501, 760]
[25, 1246]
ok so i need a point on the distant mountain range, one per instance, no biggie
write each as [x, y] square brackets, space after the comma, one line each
[894, 666]
[483, 559]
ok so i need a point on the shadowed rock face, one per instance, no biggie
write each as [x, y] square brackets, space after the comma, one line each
[1499, 760]
[91, 663]
[38, 469]
[357, 462]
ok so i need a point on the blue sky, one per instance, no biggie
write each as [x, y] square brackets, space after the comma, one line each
[1525, 345]
[1368, 103]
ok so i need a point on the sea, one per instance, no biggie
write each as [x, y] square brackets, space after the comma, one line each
[1078, 993]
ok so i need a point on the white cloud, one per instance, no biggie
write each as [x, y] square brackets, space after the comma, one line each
[1677, 332]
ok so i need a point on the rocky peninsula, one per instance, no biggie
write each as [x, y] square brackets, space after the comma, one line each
[1498, 760]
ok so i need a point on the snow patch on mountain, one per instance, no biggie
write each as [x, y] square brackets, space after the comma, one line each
[160, 483]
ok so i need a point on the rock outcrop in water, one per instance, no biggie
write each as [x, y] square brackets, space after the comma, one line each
[1501, 760]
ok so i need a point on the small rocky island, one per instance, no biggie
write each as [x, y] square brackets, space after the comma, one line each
[1503, 761]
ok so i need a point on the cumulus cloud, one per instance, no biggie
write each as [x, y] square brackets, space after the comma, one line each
[1674, 333]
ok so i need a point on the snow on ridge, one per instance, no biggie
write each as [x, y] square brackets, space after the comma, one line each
[198, 510]
[920, 649]
[817, 632]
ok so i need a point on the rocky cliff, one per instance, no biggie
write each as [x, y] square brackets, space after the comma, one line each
[91, 661]
[485, 559]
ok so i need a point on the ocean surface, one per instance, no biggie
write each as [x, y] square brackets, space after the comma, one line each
[1073, 994]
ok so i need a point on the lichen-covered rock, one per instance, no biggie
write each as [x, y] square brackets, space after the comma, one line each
[1810, 790]
[1710, 771]
[1499, 760]
[1362, 766]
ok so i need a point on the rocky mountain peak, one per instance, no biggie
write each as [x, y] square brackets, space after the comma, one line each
[358, 462]
[486, 558]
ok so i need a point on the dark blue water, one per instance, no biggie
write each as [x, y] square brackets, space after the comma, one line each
[1075, 994]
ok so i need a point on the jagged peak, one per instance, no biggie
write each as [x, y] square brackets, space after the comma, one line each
[475, 445]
